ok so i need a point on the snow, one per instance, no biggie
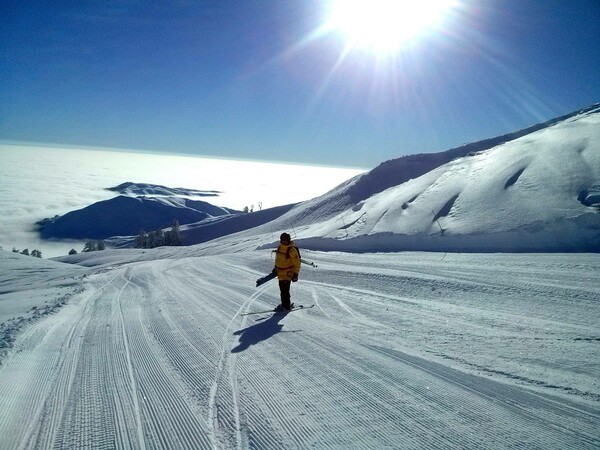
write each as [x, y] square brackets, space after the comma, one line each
[135, 348]
[400, 351]
[146, 189]
[22, 302]
[534, 193]
[531, 191]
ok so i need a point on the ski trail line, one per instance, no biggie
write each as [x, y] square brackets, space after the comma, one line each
[316, 300]
[138, 419]
[343, 305]
[526, 405]
[235, 394]
[225, 358]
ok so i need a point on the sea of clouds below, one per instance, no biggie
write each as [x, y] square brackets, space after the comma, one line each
[38, 182]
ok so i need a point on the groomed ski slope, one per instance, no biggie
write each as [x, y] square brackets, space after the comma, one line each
[405, 350]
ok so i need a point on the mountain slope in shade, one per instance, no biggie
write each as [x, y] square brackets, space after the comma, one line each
[126, 216]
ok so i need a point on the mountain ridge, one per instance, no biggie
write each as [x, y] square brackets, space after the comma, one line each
[536, 189]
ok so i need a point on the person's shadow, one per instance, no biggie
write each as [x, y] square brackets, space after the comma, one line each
[257, 333]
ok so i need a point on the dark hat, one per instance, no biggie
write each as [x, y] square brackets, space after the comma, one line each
[285, 237]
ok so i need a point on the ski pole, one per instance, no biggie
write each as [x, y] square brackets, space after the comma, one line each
[309, 263]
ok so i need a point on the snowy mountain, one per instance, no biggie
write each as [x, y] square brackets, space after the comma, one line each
[533, 190]
[539, 191]
[127, 214]
[146, 189]
[398, 171]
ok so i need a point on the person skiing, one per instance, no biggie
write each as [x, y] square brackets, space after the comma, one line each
[287, 267]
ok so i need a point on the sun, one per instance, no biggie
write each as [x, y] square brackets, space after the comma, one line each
[384, 26]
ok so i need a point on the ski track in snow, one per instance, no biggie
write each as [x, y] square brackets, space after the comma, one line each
[228, 360]
[399, 352]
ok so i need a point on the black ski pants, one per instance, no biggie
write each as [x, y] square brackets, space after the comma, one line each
[284, 288]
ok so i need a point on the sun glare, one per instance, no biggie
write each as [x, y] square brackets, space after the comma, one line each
[384, 26]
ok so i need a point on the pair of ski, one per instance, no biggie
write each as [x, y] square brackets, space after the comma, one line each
[279, 310]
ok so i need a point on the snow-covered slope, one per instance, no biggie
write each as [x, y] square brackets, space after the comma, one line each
[395, 172]
[31, 288]
[153, 348]
[538, 192]
[537, 189]
[154, 351]
[214, 227]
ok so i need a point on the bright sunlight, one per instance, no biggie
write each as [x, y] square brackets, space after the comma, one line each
[384, 26]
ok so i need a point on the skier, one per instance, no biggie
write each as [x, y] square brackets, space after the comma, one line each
[287, 267]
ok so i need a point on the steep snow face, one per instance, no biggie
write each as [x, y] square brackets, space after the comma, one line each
[542, 186]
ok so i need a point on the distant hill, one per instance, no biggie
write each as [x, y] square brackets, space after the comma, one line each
[215, 227]
[134, 189]
[126, 216]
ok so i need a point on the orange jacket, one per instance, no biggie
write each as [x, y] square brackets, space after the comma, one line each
[287, 261]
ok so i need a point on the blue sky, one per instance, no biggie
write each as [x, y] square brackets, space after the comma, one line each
[251, 79]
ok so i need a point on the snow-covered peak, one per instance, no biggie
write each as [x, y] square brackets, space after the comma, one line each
[155, 190]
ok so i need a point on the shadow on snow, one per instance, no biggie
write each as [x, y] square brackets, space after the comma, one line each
[259, 332]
